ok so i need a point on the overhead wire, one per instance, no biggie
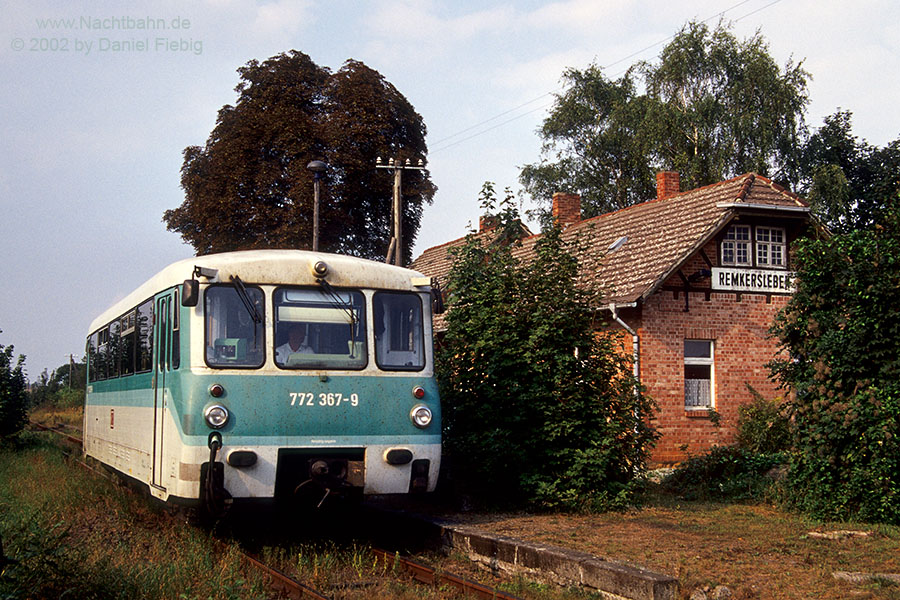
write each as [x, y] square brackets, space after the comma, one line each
[440, 146]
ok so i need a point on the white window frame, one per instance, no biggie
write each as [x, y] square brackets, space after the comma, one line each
[692, 388]
[754, 246]
[767, 250]
[735, 245]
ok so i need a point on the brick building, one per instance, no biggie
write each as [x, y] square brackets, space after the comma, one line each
[693, 281]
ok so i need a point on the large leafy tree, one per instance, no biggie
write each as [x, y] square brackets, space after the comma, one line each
[13, 398]
[538, 408]
[713, 106]
[841, 334]
[849, 182]
[249, 186]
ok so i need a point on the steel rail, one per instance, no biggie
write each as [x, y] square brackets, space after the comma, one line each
[280, 582]
[70, 438]
[291, 588]
[428, 575]
[284, 584]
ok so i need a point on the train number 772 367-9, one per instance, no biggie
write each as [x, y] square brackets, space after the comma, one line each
[309, 399]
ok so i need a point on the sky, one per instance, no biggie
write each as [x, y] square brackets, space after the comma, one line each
[95, 112]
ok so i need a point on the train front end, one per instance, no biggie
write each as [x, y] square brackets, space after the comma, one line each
[309, 375]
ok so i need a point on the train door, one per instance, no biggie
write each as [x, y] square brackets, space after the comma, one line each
[162, 366]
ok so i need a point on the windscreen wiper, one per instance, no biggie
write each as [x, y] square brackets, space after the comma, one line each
[241, 290]
[347, 307]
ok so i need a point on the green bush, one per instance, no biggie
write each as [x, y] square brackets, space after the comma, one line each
[13, 399]
[724, 474]
[841, 333]
[69, 398]
[848, 459]
[763, 425]
[538, 409]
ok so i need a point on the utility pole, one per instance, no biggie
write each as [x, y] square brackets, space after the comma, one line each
[317, 167]
[396, 245]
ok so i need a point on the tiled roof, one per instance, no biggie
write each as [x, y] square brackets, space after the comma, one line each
[661, 234]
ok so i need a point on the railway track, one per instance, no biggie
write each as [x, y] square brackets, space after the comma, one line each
[391, 564]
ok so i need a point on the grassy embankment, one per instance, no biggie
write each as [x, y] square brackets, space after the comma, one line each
[76, 527]
[75, 534]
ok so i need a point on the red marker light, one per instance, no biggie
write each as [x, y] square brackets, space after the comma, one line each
[418, 392]
[216, 390]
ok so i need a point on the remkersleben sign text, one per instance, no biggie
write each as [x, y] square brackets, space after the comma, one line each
[752, 280]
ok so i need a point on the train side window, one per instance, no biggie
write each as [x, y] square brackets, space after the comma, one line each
[128, 335]
[144, 326]
[176, 332]
[162, 324]
[93, 357]
[115, 350]
[399, 331]
[233, 339]
[102, 353]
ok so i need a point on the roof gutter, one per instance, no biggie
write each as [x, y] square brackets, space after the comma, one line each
[778, 208]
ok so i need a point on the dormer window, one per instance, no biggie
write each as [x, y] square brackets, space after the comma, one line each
[736, 246]
[770, 247]
[748, 246]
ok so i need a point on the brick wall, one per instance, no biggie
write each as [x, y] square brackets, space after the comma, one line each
[738, 324]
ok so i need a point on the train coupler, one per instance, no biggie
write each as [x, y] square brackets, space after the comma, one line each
[214, 498]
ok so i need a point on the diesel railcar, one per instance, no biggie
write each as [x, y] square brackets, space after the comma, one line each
[267, 374]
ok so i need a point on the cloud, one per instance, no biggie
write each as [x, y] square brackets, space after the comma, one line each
[282, 18]
[273, 24]
[578, 17]
[420, 32]
[407, 20]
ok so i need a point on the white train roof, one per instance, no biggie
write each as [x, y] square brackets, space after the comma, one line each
[274, 267]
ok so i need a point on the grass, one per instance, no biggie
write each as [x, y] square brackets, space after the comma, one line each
[757, 550]
[70, 534]
[73, 532]
[51, 416]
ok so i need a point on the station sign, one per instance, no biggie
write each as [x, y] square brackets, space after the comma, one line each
[760, 281]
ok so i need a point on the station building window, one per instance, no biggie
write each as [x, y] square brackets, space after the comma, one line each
[770, 247]
[736, 246]
[699, 373]
[746, 246]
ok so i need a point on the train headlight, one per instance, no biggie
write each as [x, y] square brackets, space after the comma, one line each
[216, 416]
[421, 416]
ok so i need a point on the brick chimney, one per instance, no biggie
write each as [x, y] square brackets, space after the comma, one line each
[668, 184]
[487, 223]
[566, 208]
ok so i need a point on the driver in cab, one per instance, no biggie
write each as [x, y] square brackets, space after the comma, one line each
[296, 343]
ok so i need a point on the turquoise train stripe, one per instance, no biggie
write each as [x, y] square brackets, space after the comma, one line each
[130, 383]
[319, 441]
[264, 408]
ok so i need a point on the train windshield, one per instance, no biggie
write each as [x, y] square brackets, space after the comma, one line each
[317, 328]
[399, 331]
[234, 338]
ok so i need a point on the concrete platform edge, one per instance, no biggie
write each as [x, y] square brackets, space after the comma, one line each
[616, 580]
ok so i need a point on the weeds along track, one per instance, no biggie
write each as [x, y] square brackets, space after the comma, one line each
[384, 566]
